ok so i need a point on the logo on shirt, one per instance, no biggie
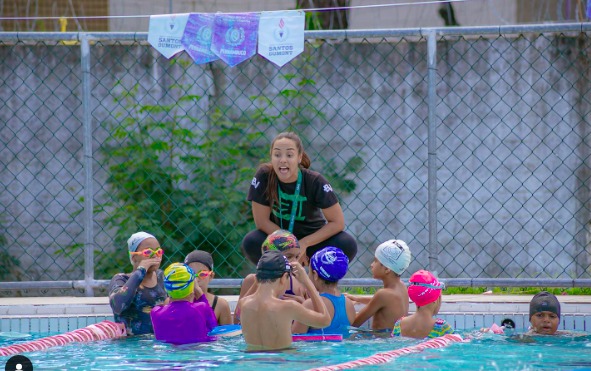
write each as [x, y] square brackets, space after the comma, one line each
[327, 188]
[255, 183]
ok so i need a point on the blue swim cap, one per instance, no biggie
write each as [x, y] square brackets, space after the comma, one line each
[330, 263]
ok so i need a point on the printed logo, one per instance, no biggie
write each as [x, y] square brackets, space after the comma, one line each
[327, 188]
[18, 363]
[172, 25]
[329, 258]
[281, 33]
[393, 252]
[255, 183]
[204, 35]
[235, 36]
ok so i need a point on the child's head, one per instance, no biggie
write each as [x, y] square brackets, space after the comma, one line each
[271, 266]
[283, 241]
[330, 263]
[179, 281]
[544, 313]
[202, 264]
[142, 245]
[394, 255]
[424, 288]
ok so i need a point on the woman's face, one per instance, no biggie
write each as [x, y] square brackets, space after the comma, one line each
[285, 159]
[545, 323]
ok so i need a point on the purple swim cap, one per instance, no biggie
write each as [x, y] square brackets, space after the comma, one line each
[330, 263]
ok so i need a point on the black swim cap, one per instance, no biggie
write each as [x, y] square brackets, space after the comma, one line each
[200, 256]
[544, 302]
[271, 265]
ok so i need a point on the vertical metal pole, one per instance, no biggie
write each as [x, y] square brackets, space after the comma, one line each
[432, 149]
[87, 163]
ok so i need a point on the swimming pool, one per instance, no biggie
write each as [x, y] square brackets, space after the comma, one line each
[487, 352]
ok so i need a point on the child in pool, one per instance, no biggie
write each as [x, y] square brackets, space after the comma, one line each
[544, 314]
[389, 303]
[425, 291]
[287, 243]
[182, 320]
[201, 262]
[327, 267]
[133, 295]
[266, 319]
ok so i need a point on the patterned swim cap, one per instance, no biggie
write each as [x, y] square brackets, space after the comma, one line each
[281, 240]
[179, 280]
[394, 255]
[424, 288]
[330, 263]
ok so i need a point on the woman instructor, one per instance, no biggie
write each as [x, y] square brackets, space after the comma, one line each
[285, 194]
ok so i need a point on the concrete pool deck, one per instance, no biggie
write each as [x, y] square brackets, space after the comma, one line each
[48, 314]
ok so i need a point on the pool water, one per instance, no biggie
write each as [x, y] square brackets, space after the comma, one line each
[484, 352]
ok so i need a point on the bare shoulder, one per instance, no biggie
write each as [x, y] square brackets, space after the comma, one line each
[249, 279]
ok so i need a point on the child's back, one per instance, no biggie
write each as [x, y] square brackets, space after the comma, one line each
[425, 291]
[327, 267]
[266, 319]
[391, 302]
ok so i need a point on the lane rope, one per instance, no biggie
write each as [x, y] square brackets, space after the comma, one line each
[384, 357]
[99, 331]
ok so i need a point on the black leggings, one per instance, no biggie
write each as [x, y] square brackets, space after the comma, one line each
[252, 242]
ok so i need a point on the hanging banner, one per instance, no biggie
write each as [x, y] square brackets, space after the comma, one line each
[235, 37]
[197, 37]
[281, 36]
[165, 33]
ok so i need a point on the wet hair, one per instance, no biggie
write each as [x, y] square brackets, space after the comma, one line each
[271, 190]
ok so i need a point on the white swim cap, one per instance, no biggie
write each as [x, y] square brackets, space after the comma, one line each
[394, 255]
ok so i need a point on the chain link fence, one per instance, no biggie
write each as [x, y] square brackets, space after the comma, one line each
[472, 145]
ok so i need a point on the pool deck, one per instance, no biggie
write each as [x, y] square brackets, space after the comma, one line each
[77, 306]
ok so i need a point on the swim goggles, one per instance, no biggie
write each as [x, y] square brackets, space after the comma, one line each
[203, 273]
[435, 285]
[149, 253]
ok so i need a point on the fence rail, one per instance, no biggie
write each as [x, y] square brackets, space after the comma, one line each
[470, 143]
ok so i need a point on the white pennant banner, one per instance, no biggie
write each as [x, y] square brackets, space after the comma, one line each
[281, 35]
[166, 31]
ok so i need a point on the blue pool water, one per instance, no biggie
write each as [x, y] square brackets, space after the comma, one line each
[487, 352]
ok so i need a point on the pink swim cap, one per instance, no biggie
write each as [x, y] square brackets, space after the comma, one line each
[424, 288]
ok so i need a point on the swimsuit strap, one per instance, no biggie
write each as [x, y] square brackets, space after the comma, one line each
[215, 302]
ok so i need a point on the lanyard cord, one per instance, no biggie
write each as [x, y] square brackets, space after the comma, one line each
[294, 205]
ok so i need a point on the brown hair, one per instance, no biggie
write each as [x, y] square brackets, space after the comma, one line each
[273, 181]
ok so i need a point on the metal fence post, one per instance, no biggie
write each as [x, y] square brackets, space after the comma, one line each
[432, 149]
[87, 149]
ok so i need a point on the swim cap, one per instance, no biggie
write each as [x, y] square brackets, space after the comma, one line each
[281, 240]
[424, 288]
[200, 256]
[330, 263]
[134, 241]
[394, 255]
[544, 302]
[179, 280]
[271, 265]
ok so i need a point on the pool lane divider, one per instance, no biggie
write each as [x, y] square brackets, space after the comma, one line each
[98, 331]
[384, 357]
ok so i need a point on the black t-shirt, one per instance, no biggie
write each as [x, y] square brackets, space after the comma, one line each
[315, 194]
